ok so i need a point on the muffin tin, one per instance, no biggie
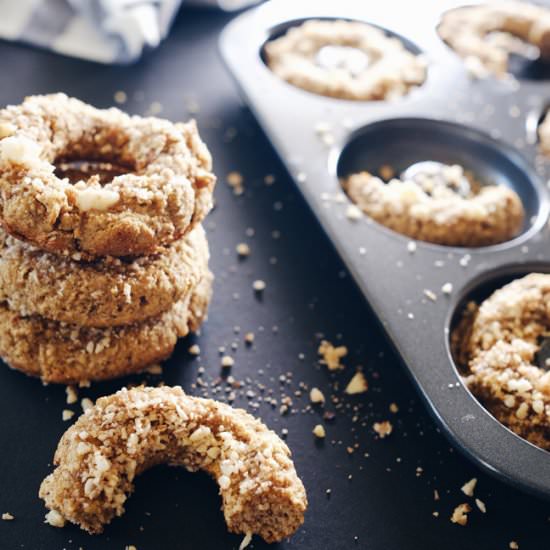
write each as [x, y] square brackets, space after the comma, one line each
[489, 126]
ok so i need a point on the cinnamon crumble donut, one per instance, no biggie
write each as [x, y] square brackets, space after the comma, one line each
[130, 431]
[67, 354]
[105, 292]
[162, 184]
[497, 345]
[488, 33]
[429, 210]
[346, 60]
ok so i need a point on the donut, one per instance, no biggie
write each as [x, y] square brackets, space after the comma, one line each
[496, 345]
[123, 434]
[160, 186]
[488, 33]
[68, 354]
[486, 215]
[346, 60]
[104, 292]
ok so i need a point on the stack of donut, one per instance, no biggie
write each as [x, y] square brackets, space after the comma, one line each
[103, 259]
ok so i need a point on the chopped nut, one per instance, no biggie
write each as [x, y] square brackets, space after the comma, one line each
[243, 250]
[513, 545]
[249, 338]
[332, 355]
[194, 349]
[67, 414]
[386, 172]
[258, 285]
[447, 288]
[246, 541]
[469, 486]
[481, 505]
[227, 361]
[316, 396]
[6, 516]
[358, 384]
[319, 431]
[72, 395]
[86, 403]
[460, 514]
[411, 246]
[394, 408]
[383, 429]
[55, 519]
[353, 213]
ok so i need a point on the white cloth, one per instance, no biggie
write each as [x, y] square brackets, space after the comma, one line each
[107, 31]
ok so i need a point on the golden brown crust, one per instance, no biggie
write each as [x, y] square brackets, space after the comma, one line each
[390, 71]
[102, 293]
[165, 192]
[493, 215]
[67, 354]
[490, 32]
[496, 344]
[124, 434]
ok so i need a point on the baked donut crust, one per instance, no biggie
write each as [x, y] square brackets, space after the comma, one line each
[102, 293]
[467, 31]
[492, 215]
[165, 192]
[391, 71]
[497, 342]
[68, 354]
[123, 434]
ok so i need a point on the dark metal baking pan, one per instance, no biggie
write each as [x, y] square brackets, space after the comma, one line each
[487, 125]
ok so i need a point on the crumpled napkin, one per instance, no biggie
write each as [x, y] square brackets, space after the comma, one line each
[106, 31]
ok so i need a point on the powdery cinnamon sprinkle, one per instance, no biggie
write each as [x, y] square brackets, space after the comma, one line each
[125, 433]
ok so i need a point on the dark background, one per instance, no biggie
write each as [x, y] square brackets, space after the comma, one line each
[381, 496]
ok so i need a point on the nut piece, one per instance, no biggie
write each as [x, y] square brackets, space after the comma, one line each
[383, 429]
[6, 516]
[460, 514]
[358, 384]
[319, 431]
[468, 487]
[55, 519]
[316, 396]
[331, 355]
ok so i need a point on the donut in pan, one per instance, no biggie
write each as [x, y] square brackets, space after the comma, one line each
[497, 344]
[346, 60]
[100, 455]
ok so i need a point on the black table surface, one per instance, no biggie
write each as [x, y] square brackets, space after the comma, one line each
[380, 496]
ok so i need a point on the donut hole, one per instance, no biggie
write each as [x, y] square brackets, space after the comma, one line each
[501, 40]
[387, 149]
[83, 169]
[348, 57]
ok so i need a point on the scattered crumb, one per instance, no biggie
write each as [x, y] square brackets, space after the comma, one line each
[411, 246]
[469, 486]
[316, 396]
[383, 429]
[332, 355]
[130, 547]
[6, 516]
[513, 545]
[67, 414]
[358, 384]
[430, 294]
[481, 505]
[394, 408]
[460, 514]
[86, 403]
[447, 288]
[154, 369]
[249, 338]
[194, 349]
[436, 494]
[243, 250]
[319, 431]
[227, 361]
[246, 541]
[258, 285]
[353, 213]
[386, 172]
[72, 395]
[55, 519]
[269, 179]
[235, 181]
[120, 97]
